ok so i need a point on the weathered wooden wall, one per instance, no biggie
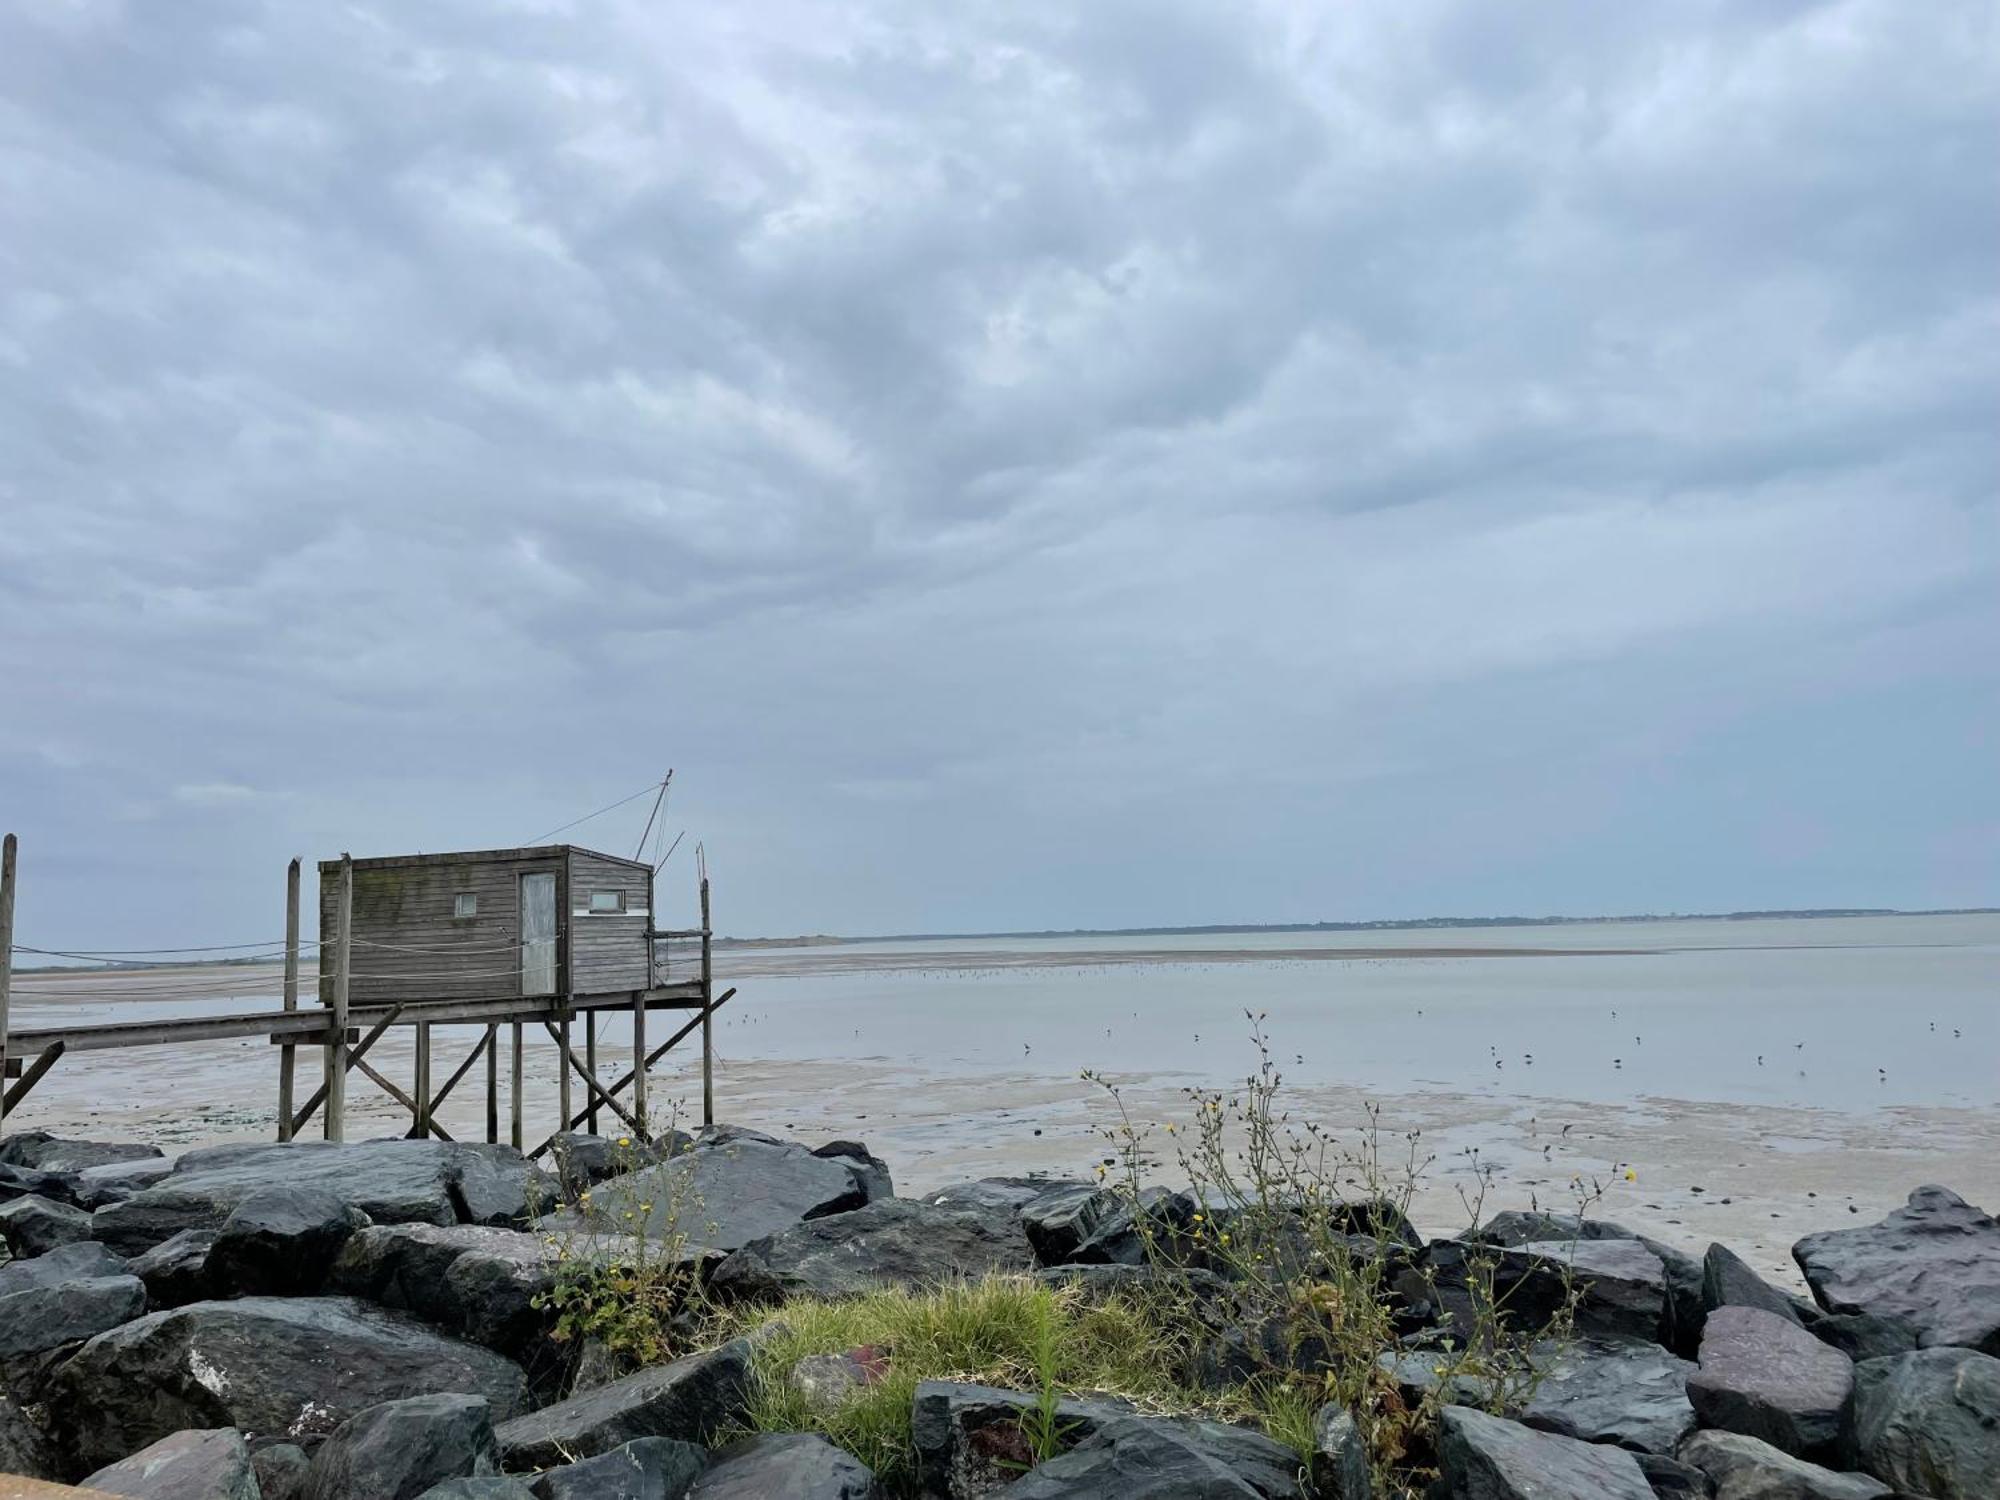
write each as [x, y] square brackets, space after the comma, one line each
[608, 952]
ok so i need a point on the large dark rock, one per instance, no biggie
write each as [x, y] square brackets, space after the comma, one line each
[393, 1182]
[897, 1242]
[1004, 1195]
[1482, 1457]
[798, 1465]
[281, 1471]
[33, 1225]
[1673, 1480]
[1728, 1281]
[46, 1315]
[692, 1399]
[1860, 1336]
[25, 1446]
[1122, 1234]
[1764, 1376]
[1340, 1468]
[81, 1261]
[651, 1468]
[1685, 1312]
[1745, 1468]
[17, 1182]
[1141, 1458]
[483, 1487]
[721, 1194]
[114, 1182]
[399, 1449]
[1622, 1286]
[1631, 1394]
[582, 1161]
[279, 1241]
[1061, 1220]
[476, 1281]
[969, 1441]
[1929, 1422]
[1933, 1264]
[871, 1173]
[189, 1465]
[176, 1270]
[42, 1152]
[275, 1368]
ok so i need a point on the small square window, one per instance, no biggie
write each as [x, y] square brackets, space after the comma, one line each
[465, 904]
[607, 901]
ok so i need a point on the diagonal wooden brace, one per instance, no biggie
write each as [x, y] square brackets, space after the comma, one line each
[354, 1056]
[32, 1076]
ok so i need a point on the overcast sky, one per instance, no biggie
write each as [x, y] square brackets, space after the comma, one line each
[1025, 465]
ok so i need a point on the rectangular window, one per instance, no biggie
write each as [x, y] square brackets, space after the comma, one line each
[607, 901]
[465, 904]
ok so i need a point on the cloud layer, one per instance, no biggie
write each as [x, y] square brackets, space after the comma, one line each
[1055, 466]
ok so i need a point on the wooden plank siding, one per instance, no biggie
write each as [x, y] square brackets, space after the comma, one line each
[408, 945]
[608, 952]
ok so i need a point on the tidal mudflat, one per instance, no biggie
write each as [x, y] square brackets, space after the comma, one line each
[1756, 1079]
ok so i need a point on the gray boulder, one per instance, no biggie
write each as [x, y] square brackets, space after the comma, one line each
[721, 1194]
[25, 1448]
[1121, 1234]
[1685, 1311]
[281, 1471]
[1765, 1377]
[692, 1399]
[78, 1262]
[797, 1465]
[582, 1160]
[1482, 1457]
[176, 1270]
[1860, 1336]
[484, 1487]
[44, 1316]
[651, 1468]
[1745, 1468]
[39, 1151]
[1061, 1220]
[1728, 1281]
[274, 1368]
[1673, 1480]
[1622, 1285]
[95, 1187]
[1004, 1195]
[476, 1281]
[871, 1173]
[393, 1182]
[191, 1465]
[279, 1241]
[1933, 1264]
[969, 1441]
[33, 1225]
[16, 1182]
[399, 1449]
[896, 1242]
[1929, 1422]
[1144, 1458]
[1340, 1468]
[1633, 1395]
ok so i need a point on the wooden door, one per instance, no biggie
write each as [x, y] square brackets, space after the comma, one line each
[538, 933]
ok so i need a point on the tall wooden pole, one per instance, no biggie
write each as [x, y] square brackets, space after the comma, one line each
[420, 1127]
[7, 851]
[288, 1055]
[590, 1062]
[517, 1136]
[492, 1084]
[707, 1014]
[336, 1047]
[563, 1071]
[639, 1057]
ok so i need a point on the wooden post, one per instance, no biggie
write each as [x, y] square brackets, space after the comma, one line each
[707, 1014]
[639, 1057]
[590, 1062]
[517, 1136]
[288, 1055]
[562, 1088]
[335, 1114]
[7, 852]
[492, 1084]
[420, 1126]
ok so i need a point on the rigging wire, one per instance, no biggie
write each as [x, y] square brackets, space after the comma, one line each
[612, 807]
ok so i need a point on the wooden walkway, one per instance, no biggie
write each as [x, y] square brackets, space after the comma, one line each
[27, 1054]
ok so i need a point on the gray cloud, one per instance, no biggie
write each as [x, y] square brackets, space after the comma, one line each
[1048, 466]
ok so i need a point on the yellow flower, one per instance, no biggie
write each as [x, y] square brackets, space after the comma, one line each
[1223, 1237]
[1630, 1175]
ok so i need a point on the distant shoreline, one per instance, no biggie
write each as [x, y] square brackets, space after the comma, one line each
[1406, 924]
